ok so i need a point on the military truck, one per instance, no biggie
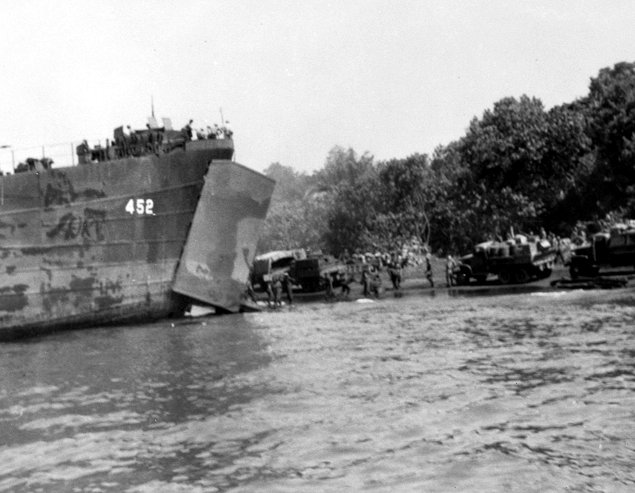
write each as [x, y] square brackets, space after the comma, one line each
[604, 252]
[313, 273]
[271, 264]
[515, 261]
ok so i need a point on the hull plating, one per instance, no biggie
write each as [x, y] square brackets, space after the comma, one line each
[100, 243]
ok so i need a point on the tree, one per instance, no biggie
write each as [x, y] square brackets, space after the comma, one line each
[524, 162]
[567, 165]
[518, 165]
[351, 185]
[610, 110]
[343, 167]
[295, 224]
[290, 185]
[296, 217]
[403, 207]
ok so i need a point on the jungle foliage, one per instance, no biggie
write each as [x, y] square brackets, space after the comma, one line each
[519, 165]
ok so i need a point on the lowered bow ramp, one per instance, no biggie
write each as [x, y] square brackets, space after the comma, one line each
[221, 244]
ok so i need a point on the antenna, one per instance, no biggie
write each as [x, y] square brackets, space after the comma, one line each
[152, 104]
[222, 120]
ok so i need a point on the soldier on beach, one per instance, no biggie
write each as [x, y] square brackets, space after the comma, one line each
[450, 265]
[366, 277]
[251, 294]
[277, 291]
[559, 255]
[268, 289]
[394, 270]
[329, 286]
[429, 275]
[345, 282]
[287, 286]
[375, 285]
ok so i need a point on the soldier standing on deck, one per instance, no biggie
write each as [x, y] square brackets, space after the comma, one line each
[187, 130]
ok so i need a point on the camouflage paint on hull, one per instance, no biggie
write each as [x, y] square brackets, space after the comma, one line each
[221, 243]
[100, 243]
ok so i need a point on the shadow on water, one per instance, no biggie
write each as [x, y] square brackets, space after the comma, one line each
[176, 365]
[96, 396]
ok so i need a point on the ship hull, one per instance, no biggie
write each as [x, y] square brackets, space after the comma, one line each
[102, 243]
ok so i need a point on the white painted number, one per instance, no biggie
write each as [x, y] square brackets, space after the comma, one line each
[140, 206]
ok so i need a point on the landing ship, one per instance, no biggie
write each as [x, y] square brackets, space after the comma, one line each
[138, 230]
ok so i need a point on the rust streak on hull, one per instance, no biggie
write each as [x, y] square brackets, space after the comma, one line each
[100, 243]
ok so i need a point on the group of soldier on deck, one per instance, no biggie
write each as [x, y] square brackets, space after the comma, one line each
[153, 139]
[209, 132]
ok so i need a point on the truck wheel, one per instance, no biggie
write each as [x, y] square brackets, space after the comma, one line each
[546, 272]
[521, 276]
[311, 286]
[505, 277]
[462, 279]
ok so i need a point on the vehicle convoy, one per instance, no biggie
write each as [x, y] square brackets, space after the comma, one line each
[272, 264]
[606, 251]
[140, 229]
[516, 261]
[317, 271]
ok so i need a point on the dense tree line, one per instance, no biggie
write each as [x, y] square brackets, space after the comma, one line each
[518, 165]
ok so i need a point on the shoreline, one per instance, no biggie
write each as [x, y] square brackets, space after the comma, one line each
[415, 283]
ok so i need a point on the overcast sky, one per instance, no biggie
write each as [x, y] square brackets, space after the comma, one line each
[296, 78]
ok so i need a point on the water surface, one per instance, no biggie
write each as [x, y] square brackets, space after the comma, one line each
[510, 392]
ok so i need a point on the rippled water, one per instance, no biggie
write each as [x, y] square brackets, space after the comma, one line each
[522, 392]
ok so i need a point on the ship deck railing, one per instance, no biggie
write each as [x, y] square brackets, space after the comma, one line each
[62, 154]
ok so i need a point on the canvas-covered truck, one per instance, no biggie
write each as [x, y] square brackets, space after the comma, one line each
[271, 264]
[515, 261]
[605, 251]
[313, 273]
